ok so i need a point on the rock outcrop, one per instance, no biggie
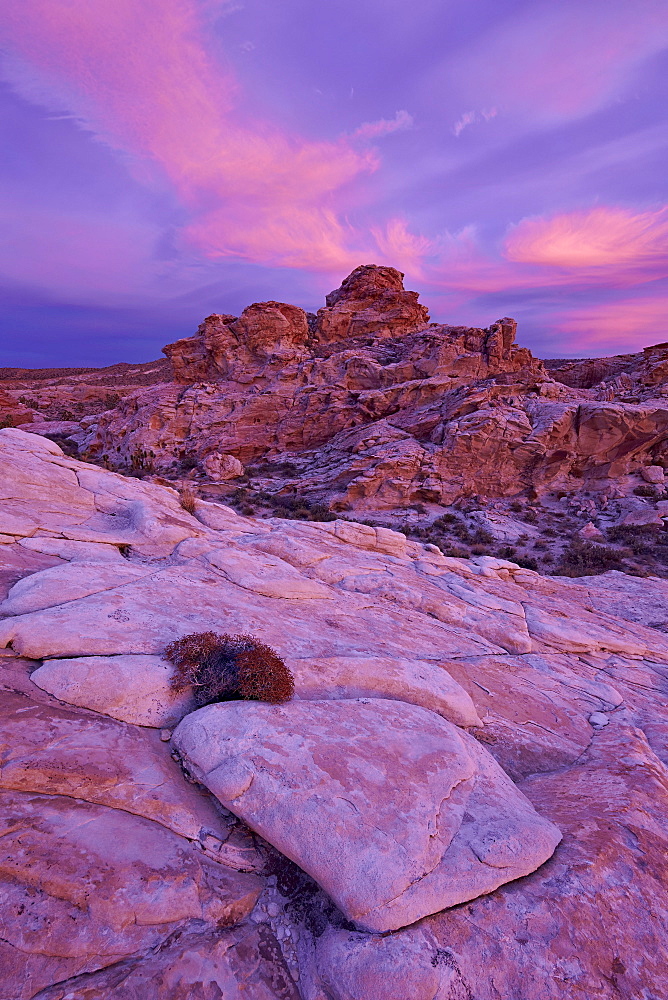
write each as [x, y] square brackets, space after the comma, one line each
[369, 406]
[520, 705]
[409, 819]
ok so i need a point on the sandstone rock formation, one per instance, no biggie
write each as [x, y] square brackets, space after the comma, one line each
[393, 812]
[122, 878]
[370, 406]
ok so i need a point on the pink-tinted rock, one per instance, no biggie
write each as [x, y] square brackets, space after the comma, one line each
[653, 474]
[99, 885]
[239, 963]
[371, 300]
[222, 467]
[392, 810]
[265, 331]
[591, 533]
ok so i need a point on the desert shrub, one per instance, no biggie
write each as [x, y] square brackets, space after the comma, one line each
[445, 520]
[482, 537]
[582, 558]
[269, 468]
[645, 490]
[296, 508]
[456, 552]
[188, 499]
[141, 462]
[630, 533]
[526, 562]
[228, 667]
[507, 552]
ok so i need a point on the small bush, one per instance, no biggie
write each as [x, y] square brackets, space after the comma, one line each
[586, 559]
[526, 562]
[445, 520]
[188, 499]
[227, 668]
[482, 537]
[456, 552]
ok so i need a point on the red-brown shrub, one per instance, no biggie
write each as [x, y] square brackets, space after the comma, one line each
[228, 667]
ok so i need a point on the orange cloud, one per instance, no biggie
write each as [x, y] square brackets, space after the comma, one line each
[137, 73]
[609, 238]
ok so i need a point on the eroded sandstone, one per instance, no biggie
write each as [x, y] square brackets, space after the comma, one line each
[105, 827]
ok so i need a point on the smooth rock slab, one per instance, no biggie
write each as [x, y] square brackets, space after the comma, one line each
[418, 682]
[132, 687]
[392, 810]
[61, 584]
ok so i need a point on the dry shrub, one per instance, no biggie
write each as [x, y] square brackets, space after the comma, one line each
[188, 499]
[582, 558]
[228, 667]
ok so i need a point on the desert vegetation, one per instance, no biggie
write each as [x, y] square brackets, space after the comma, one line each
[227, 668]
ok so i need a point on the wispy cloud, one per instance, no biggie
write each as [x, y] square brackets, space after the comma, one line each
[138, 74]
[557, 61]
[602, 238]
[385, 126]
[470, 117]
[619, 325]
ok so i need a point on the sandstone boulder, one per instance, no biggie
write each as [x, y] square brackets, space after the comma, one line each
[131, 687]
[417, 682]
[653, 474]
[100, 885]
[392, 810]
[265, 332]
[222, 467]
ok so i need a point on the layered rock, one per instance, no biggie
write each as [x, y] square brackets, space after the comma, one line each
[266, 332]
[371, 302]
[375, 408]
[122, 878]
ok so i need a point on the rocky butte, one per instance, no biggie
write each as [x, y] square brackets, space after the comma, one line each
[467, 796]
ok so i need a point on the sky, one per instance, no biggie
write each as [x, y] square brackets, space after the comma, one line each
[165, 159]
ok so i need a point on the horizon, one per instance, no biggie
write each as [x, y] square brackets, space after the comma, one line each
[166, 160]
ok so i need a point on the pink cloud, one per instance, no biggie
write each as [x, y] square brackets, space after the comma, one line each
[555, 61]
[137, 73]
[470, 117]
[396, 244]
[625, 325]
[601, 238]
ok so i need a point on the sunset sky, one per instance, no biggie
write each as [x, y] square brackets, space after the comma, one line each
[165, 159]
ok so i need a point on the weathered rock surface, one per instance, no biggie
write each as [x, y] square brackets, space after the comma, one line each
[368, 405]
[131, 687]
[118, 871]
[391, 810]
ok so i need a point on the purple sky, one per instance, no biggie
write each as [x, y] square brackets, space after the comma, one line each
[165, 159]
